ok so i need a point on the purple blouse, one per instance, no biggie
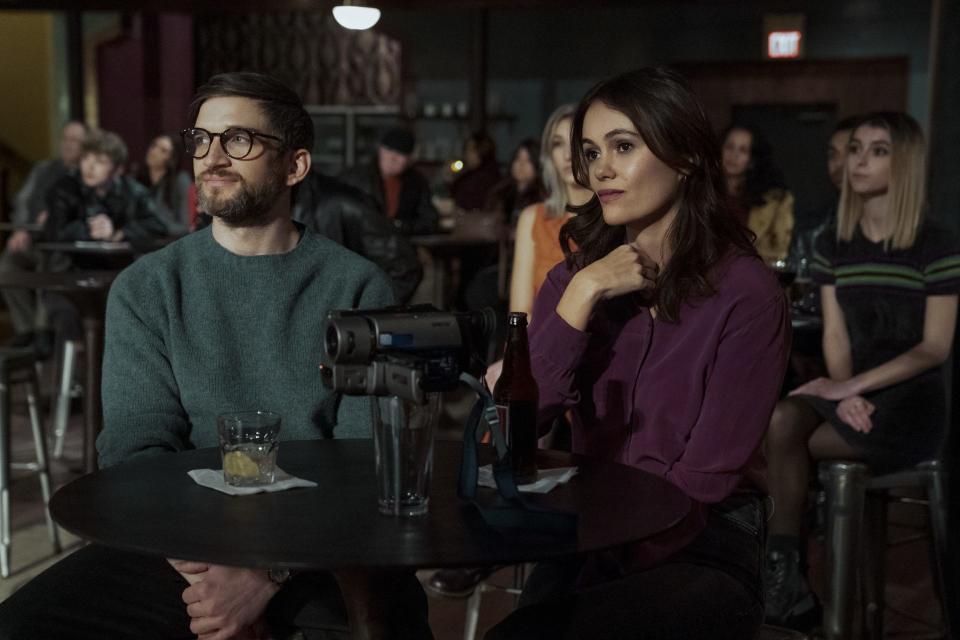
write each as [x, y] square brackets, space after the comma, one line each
[689, 401]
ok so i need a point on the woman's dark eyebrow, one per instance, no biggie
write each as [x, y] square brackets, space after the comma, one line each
[618, 132]
[612, 134]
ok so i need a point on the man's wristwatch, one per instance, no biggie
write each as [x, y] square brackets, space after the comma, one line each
[279, 576]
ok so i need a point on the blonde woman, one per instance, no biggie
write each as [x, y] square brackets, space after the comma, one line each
[537, 247]
[889, 280]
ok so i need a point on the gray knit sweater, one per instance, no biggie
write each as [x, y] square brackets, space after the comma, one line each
[193, 331]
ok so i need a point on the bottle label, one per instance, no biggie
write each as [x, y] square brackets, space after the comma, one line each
[518, 423]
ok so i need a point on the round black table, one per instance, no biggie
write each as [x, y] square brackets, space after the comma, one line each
[153, 506]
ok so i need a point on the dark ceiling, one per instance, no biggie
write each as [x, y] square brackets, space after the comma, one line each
[259, 6]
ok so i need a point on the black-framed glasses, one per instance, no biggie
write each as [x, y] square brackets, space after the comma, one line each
[236, 142]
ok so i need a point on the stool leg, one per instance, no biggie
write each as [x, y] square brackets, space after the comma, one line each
[62, 406]
[473, 613]
[845, 485]
[43, 468]
[874, 565]
[936, 485]
[4, 471]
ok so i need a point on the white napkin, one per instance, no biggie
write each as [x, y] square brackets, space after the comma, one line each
[213, 479]
[547, 479]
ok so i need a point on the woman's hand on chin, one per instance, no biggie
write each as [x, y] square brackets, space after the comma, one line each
[624, 270]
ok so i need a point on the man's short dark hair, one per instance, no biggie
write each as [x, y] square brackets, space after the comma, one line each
[281, 104]
[106, 142]
[848, 124]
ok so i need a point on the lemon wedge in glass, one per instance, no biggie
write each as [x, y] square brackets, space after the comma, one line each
[239, 464]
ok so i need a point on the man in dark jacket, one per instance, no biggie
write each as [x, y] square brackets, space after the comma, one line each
[399, 190]
[30, 207]
[349, 217]
[101, 203]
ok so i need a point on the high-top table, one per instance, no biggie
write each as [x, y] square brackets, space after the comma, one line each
[153, 506]
[88, 291]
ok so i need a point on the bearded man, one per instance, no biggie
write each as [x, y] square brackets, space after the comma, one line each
[227, 318]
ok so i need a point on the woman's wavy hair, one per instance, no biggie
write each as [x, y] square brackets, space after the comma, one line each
[672, 123]
[763, 174]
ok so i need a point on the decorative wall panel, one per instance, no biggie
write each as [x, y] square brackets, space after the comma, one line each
[322, 61]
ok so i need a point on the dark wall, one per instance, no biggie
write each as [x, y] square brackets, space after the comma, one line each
[576, 46]
[145, 79]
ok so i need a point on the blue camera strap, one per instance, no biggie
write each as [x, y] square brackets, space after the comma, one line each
[510, 511]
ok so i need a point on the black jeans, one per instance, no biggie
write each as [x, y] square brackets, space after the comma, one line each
[709, 590]
[100, 593]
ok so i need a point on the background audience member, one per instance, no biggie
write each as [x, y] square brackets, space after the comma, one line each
[666, 339]
[889, 281]
[472, 186]
[826, 212]
[757, 190]
[30, 207]
[537, 248]
[351, 218]
[399, 190]
[522, 187]
[101, 203]
[168, 184]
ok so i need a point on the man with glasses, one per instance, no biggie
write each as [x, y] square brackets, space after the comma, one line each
[226, 318]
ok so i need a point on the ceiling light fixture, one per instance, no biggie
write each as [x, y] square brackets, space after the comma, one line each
[351, 15]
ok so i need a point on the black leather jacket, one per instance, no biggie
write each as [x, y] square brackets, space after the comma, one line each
[126, 202]
[416, 214]
[348, 216]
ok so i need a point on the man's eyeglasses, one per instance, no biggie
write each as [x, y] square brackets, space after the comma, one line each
[236, 142]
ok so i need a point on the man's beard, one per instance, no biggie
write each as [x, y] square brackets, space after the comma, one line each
[249, 207]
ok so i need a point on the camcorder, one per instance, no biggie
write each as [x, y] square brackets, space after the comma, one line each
[404, 351]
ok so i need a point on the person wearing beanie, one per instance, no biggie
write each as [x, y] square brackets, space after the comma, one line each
[401, 192]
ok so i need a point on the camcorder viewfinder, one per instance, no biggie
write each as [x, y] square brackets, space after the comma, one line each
[404, 351]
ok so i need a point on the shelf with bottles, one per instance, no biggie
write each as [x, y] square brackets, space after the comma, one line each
[345, 135]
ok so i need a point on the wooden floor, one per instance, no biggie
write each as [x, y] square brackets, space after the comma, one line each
[912, 611]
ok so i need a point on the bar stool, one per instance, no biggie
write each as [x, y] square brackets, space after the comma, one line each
[473, 603]
[17, 366]
[66, 391]
[853, 550]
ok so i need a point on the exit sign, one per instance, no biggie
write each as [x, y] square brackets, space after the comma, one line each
[783, 35]
[783, 44]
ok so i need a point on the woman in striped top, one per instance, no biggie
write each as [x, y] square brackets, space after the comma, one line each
[889, 279]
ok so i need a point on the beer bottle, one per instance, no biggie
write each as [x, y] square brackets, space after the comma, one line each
[516, 396]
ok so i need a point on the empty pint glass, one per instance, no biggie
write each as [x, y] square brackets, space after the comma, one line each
[403, 441]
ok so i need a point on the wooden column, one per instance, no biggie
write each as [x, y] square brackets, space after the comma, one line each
[478, 71]
[944, 195]
[75, 63]
[944, 134]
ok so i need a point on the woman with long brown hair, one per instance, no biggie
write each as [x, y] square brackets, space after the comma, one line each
[665, 338]
[168, 184]
[889, 279]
